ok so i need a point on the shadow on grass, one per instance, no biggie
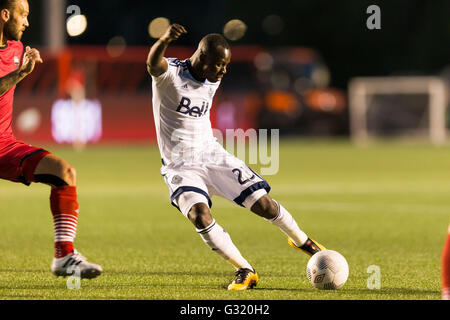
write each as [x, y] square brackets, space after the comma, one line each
[112, 280]
[133, 273]
[57, 286]
[165, 273]
[302, 290]
[23, 271]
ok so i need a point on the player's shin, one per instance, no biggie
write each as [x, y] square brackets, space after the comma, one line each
[220, 242]
[64, 207]
[286, 223]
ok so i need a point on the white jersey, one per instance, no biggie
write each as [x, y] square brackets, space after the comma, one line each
[194, 163]
[181, 109]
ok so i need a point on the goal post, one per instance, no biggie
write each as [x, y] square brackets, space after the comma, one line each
[363, 90]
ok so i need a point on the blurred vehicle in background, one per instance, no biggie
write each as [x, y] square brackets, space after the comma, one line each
[284, 89]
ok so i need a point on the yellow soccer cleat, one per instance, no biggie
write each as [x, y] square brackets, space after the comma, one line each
[311, 247]
[245, 279]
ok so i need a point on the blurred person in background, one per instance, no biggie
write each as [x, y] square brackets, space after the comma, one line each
[77, 120]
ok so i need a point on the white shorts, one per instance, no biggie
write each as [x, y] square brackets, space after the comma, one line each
[231, 179]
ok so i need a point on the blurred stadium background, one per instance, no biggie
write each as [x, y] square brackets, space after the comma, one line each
[293, 65]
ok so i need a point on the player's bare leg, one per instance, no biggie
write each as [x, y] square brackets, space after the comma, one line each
[61, 176]
[200, 216]
[276, 214]
[220, 242]
[55, 172]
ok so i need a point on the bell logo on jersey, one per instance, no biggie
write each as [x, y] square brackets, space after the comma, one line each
[197, 112]
[16, 61]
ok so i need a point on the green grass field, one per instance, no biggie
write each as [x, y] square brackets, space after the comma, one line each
[387, 205]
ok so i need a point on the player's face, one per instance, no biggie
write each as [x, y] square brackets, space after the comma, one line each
[18, 21]
[215, 67]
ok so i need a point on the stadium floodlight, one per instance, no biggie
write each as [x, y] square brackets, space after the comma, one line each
[382, 104]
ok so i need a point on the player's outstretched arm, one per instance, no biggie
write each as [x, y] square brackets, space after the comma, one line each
[30, 58]
[156, 65]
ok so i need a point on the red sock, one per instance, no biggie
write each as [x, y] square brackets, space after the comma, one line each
[446, 269]
[64, 206]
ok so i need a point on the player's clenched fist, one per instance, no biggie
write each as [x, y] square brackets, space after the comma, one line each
[30, 57]
[173, 33]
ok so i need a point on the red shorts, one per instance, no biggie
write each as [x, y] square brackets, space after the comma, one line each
[18, 161]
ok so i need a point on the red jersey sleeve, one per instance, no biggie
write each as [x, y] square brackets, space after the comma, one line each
[10, 61]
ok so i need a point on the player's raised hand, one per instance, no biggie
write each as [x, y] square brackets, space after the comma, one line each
[173, 33]
[30, 57]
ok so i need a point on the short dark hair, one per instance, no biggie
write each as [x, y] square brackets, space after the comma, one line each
[7, 4]
[214, 40]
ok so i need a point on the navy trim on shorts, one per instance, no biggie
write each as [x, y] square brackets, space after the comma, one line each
[32, 154]
[184, 189]
[248, 192]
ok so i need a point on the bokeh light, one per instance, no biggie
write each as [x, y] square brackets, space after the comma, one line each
[158, 27]
[29, 120]
[235, 29]
[273, 24]
[280, 80]
[263, 61]
[76, 25]
[321, 77]
[116, 46]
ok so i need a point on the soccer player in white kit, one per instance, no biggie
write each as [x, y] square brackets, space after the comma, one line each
[195, 166]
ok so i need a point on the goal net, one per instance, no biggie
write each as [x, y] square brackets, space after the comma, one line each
[413, 107]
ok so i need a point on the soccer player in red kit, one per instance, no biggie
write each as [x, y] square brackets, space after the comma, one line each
[22, 163]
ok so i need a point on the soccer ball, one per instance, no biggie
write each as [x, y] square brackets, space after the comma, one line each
[327, 270]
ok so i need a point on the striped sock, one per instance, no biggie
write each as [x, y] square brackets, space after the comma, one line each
[220, 242]
[64, 206]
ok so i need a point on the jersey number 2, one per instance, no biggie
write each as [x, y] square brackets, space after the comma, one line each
[241, 180]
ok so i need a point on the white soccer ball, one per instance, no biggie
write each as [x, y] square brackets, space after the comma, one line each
[327, 270]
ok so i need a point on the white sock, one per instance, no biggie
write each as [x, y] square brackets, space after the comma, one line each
[220, 242]
[287, 224]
